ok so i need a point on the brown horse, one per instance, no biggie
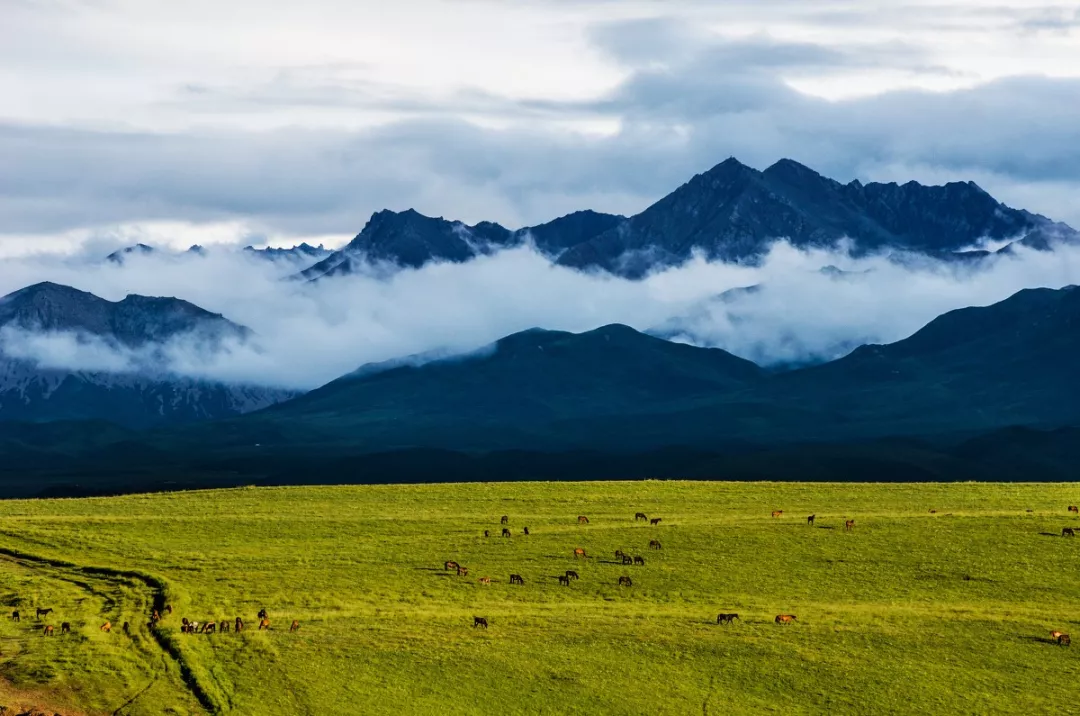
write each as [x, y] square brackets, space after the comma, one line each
[1068, 532]
[505, 520]
[564, 580]
[624, 581]
[463, 571]
[239, 625]
[487, 533]
[223, 626]
[485, 580]
[619, 554]
[48, 630]
[168, 609]
[264, 624]
[640, 516]
[1074, 508]
[777, 513]
[1064, 640]
[582, 520]
[933, 512]
[15, 616]
[449, 565]
[127, 628]
[106, 627]
[627, 559]
[506, 532]
[655, 520]
[726, 618]
[210, 628]
[571, 574]
[849, 525]
[785, 618]
[479, 621]
[516, 579]
[579, 553]
[639, 560]
[295, 626]
[654, 544]
[526, 531]
[42, 612]
[65, 627]
[810, 520]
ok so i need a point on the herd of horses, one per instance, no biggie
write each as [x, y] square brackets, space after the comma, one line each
[625, 581]
[186, 626]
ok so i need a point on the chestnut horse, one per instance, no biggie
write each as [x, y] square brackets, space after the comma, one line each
[295, 626]
[785, 618]
[580, 553]
[777, 513]
[264, 624]
[849, 525]
[582, 520]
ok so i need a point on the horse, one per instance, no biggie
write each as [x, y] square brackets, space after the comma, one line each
[526, 531]
[127, 628]
[155, 617]
[810, 520]
[43, 612]
[185, 622]
[619, 554]
[849, 525]
[1074, 508]
[785, 618]
[239, 625]
[65, 627]
[48, 630]
[463, 571]
[448, 565]
[571, 574]
[295, 626]
[777, 513]
[933, 512]
[579, 553]
[15, 616]
[223, 626]
[564, 580]
[106, 627]
[505, 532]
[505, 520]
[1068, 532]
[210, 628]
[264, 624]
[639, 560]
[516, 579]
[654, 544]
[582, 520]
[168, 609]
[479, 621]
[1064, 640]
[640, 516]
[726, 618]
[655, 520]
[624, 581]
[485, 580]
[1055, 634]
[487, 533]
[264, 615]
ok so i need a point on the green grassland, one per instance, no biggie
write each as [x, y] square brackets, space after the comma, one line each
[911, 612]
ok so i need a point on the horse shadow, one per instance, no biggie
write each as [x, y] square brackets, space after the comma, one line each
[1050, 534]
[825, 527]
[1037, 639]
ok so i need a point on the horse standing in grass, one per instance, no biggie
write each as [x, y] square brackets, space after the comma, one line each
[1074, 508]
[624, 581]
[655, 520]
[784, 618]
[506, 532]
[295, 626]
[106, 627]
[463, 571]
[485, 580]
[48, 630]
[654, 544]
[627, 559]
[571, 574]
[264, 624]
[564, 580]
[582, 520]
[726, 618]
[65, 627]
[777, 513]
[640, 516]
[579, 553]
[810, 520]
[640, 561]
[505, 520]
[43, 612]
[1068, 532]
[239, 625]
[849, 525]
[479, 622]
[15, 616]
[1064, 640]
[516, 579]
[448, 566]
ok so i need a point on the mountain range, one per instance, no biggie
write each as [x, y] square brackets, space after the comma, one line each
[136, 331]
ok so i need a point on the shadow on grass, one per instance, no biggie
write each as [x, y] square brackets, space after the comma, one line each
[1038, 639]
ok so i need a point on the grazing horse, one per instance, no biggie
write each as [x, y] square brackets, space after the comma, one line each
[210, 628]
[1055, 634]
[516, 579]
[619, 554]
[479, 621]
[627, 559]
[239, 625]
[264, 615]
[579, 553]
[640, 516]
[487, 533]
[295, 626]
[450, 564]
[654, 544]
[106, 627]
[155, 617]
[264, 624]
[810, 520]
[655, 520]
[485, 580]
[184, 622]
[1068, 532]
[624, 581]
[933, 512]
[48, 630]
[43, 612]
[223, 626]
[505, 532]
[15, 616]
[505, 520]
[1064, 640]
[849, 525]
[127, 628]
[582, 520]
[571, 574]
[726, 618]
[564, 580]
[639, 560]
[526, 531]
[65, 627]
[168, 609]
[463, 571]
[1074, 508]
[777, 513]
[784, 618]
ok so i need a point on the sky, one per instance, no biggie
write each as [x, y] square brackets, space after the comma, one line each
[269, 122]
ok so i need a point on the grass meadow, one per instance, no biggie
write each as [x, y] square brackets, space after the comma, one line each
[910, 612]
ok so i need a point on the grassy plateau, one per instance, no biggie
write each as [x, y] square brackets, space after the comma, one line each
[940, 600]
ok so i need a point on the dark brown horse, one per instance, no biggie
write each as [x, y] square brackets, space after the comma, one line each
[487, 533]
[849, 525]
[624, 581]
[639, 560]
[526, 531]
[239, 625]
[784, 618]
[1064, 640]
[726, 618]
[619, 554]
[505, 520]
[810, 520]
[223, 626]
[564, 580]
[582, 520]
[168, 609]
[516, 579]
[1074, 508]
[264, 615]
[571, 574]
[654, 544]
[295, 626]
[43, 612]
[506, 532]
[210, 628]
[655, 520]
[15, 616]
[627, 559]
[640, 516]
[1068, 532]
[448, 565]
[127, 628]
[479, 621]
[65, 627]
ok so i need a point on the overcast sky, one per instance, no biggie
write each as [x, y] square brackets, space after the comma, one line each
[200, 121]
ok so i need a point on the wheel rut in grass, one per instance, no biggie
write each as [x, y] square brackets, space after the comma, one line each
[83, 577]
